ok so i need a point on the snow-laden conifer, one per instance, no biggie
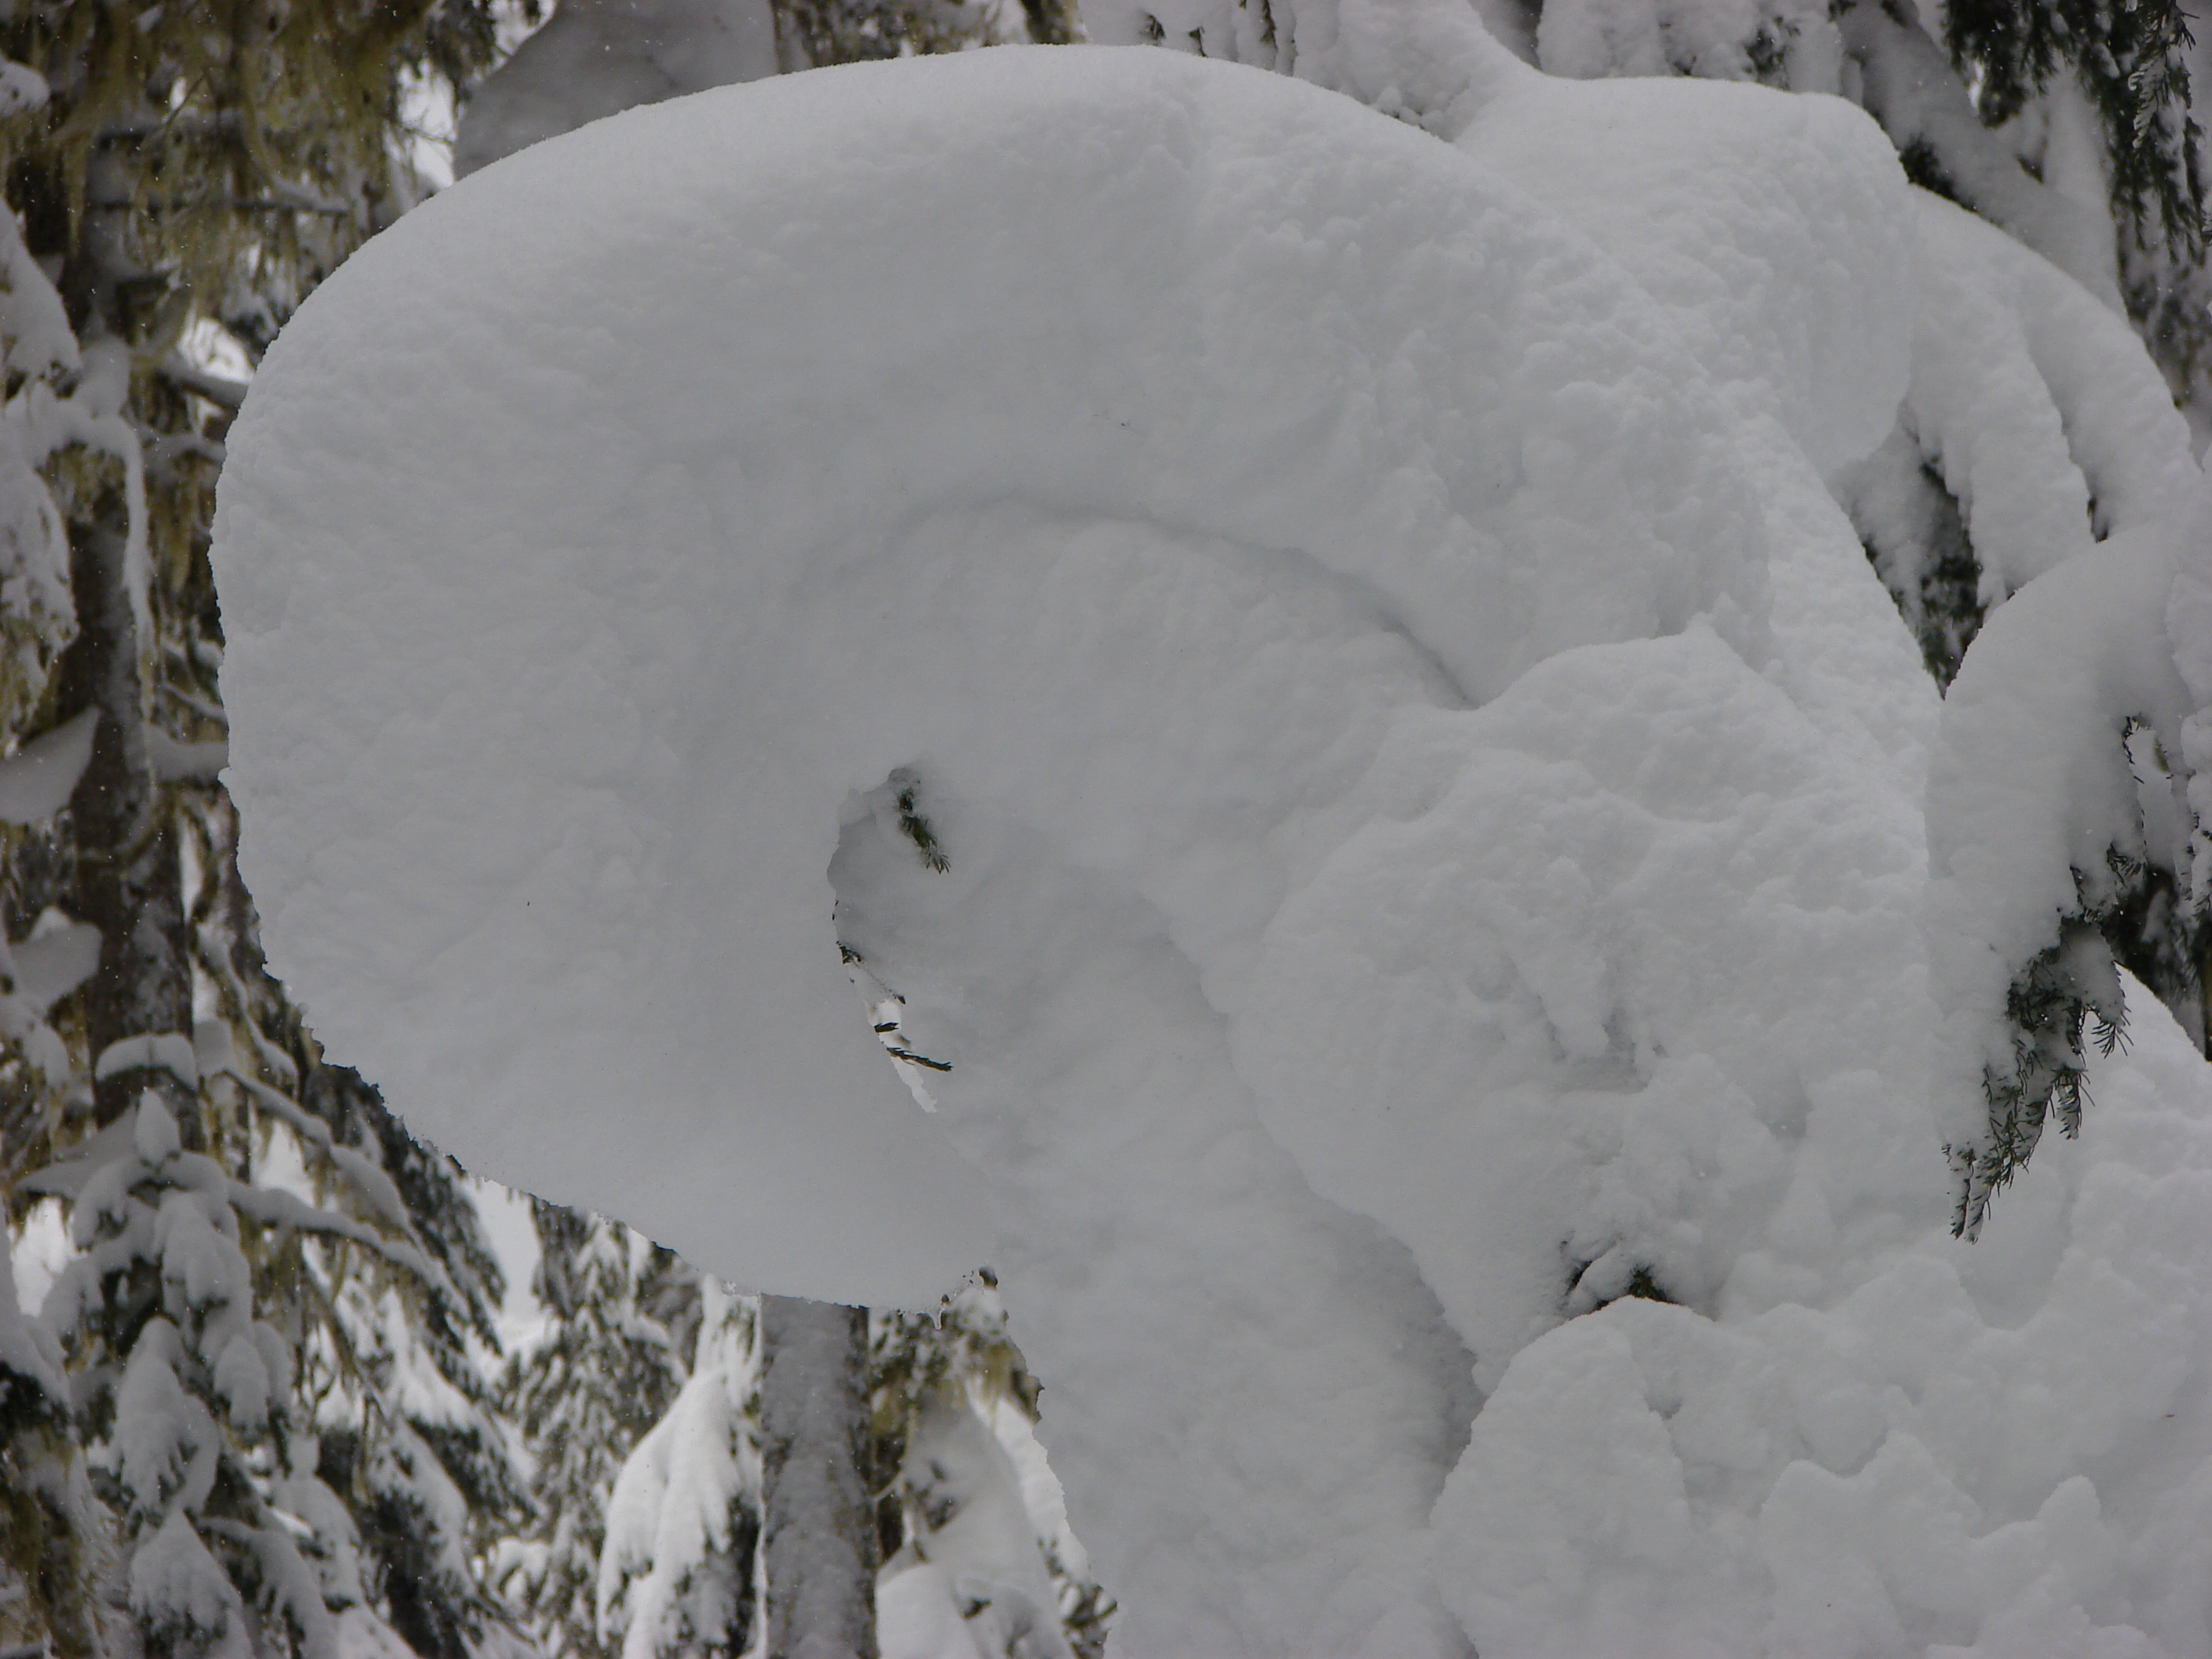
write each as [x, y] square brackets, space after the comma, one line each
[1437, 820]
[593, 58]
[604, 1373]
[55, 1543]
[273, 1285]
[2033, 429]
[975, 1550]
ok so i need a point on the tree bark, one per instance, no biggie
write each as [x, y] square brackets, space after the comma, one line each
[818, 1527]
[128, 882]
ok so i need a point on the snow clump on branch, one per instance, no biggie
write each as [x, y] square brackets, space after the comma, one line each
[1430, 906]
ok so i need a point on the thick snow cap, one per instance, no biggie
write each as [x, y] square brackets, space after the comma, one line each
[1424, 821]
[557, 649]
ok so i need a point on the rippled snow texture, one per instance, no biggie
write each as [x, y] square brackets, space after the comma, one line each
[1432, 790]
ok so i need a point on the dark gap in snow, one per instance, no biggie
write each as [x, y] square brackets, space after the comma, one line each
[1925, 169]
[1614, 1274]
[1915, 536]
[1950, 606]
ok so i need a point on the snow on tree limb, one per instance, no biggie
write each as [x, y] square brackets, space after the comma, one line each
[1434, 870]
[1909, 88]
[37, 780]
[2037, 806]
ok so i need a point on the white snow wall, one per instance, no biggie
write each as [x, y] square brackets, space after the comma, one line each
[1432, 790]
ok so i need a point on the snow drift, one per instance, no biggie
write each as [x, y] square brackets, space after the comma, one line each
[1320, 664]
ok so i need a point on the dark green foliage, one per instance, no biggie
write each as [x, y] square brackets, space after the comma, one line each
[2132, 64]
[2131, 60]
[860, 31]
[1925, 169]
[2143, 907]
[918, 830]
[2067, 992]
[1932, 574]
[402, 1568]
[1767, 52]
[668, 1299]
[2132, 913]
[1052, 22]
[2156, 936]
[2171, 305]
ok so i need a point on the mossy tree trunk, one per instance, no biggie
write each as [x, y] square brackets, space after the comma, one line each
[818, 1527]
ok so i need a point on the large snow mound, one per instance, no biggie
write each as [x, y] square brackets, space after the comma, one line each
[1319, 663]
[1485, 438]
[1996, 1448]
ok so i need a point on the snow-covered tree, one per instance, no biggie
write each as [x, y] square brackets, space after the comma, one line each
[275, 1432]
[593, 58]
[950, 1394]
[1445, 832]
[2070, 130]
[606, 1371]
[976, 1552]
[52, 1536]
[678, 1575]
[2077, 138]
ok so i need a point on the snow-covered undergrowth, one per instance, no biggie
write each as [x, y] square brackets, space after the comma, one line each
[1433, 802]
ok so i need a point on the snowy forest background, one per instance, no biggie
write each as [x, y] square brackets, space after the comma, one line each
[266, 1401]
[274, 1392]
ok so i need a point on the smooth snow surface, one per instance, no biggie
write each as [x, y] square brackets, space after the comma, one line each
[1431, 798]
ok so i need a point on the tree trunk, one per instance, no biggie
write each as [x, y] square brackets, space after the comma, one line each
[128, 882]
[818, 1521]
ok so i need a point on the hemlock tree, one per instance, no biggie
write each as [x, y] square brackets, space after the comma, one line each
[1445, 829]
[275, 1430]
[685, 1571]
[2071, 129]
[593, 58]
[679, 1573]
[606, 1371]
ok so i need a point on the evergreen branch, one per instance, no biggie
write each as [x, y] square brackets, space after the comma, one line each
[216, 388]
[909, 1055]
[918, 831]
